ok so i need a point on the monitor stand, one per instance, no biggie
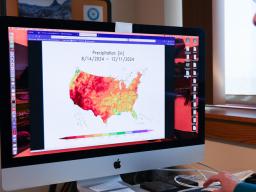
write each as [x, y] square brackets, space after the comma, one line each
[102, 184]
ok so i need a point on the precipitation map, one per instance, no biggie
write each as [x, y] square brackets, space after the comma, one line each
[104, 96]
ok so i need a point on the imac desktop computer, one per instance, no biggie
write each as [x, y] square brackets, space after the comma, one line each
[82, 100]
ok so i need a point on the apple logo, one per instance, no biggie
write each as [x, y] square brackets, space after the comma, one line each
[117, 164]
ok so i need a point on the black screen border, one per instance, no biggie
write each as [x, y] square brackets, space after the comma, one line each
[5, 119]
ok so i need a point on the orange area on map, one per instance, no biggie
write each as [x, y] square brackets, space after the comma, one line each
[104, 96]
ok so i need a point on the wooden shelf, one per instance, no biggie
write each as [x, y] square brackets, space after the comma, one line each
[230, 124]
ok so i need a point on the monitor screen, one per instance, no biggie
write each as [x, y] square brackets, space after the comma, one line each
[77, 93]
[92, 90]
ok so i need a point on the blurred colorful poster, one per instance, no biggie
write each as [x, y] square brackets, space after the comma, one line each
[55, 9]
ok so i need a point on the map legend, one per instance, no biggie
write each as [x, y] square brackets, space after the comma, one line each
[106, 134]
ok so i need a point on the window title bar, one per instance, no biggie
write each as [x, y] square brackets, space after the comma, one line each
[99, 37]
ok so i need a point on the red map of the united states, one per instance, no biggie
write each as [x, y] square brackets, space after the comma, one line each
[104, 96]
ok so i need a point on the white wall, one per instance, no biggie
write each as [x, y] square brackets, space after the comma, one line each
[173, 13]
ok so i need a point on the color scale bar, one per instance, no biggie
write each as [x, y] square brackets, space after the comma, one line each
[106, 134]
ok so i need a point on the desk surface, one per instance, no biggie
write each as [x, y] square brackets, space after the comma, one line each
[116, 184]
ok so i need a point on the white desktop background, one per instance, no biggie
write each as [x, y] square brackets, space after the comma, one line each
[62, 118]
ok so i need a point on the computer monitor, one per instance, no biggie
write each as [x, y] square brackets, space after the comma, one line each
[81, 101]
